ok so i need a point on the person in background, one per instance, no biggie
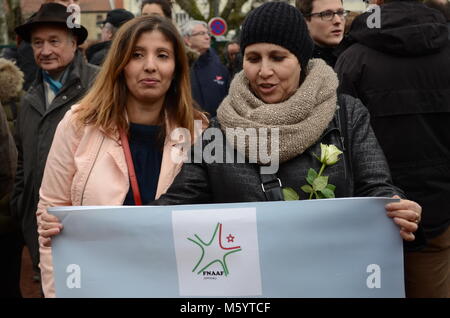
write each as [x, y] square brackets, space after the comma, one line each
[326, 24]
[11, 90]
[62, 79]
[11, 240]
[233, 58]
[123, 125]
[159, 7]
[22, 54]
[8, 155]
[114, 19]
[401, 73]
[209, 77]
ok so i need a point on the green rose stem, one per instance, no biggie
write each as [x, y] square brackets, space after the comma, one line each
[317, 184]
[320, 174]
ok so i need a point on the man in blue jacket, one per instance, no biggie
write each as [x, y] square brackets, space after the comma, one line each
[209, 77]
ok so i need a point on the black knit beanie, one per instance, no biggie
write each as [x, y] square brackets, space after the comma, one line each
[281, 24]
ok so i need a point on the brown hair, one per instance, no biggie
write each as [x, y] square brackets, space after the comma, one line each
[104, 105]
[305, 7]
[165, 5]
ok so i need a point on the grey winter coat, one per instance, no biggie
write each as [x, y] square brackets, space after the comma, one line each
[34, 135]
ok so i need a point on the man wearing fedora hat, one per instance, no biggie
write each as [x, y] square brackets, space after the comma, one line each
[63, 78]
[22, 54]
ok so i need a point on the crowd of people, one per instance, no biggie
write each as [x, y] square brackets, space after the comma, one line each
[95, 126]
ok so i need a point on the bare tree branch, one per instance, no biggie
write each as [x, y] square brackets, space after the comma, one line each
[233, 13]
[227, 9]
[211, 9]
[191, 8]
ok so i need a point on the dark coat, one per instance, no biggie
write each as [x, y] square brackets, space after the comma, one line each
[10, 241]
[8, 155]
[331, 54]
[328, 54]
[96, 54]
[210, 82]
[24, 58]
[35, 129]
[11, 80]
[8, 165]
[368, 174]
[401, 74]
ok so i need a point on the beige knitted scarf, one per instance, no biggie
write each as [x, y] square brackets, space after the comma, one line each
[301, 119]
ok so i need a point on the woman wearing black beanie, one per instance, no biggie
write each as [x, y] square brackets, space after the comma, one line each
[283, 90]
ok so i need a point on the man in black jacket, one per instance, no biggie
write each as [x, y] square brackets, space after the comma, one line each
[63, 78]
[401, 73]
[326, 23]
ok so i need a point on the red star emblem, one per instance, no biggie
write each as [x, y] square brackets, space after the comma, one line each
[230, 238]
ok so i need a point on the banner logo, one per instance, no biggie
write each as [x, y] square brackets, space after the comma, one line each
[217, 252]
[204, 263]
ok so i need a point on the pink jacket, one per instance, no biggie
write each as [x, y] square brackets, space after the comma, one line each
[80, 163]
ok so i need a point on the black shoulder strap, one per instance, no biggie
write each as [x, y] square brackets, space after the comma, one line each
[271, 186]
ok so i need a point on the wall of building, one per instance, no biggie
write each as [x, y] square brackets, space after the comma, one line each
[355, 5]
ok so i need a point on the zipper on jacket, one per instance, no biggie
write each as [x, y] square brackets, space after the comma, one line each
[90, 170]
[345, 156]
[341, 139]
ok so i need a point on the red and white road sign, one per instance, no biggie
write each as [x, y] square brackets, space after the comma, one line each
[217, 26]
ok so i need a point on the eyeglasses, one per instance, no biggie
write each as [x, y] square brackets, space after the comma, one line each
[329, 15]
[202, 33]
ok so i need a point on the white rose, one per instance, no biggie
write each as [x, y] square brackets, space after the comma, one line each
[329, 154]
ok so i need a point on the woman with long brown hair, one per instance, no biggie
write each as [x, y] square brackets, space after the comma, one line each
[116, 147]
